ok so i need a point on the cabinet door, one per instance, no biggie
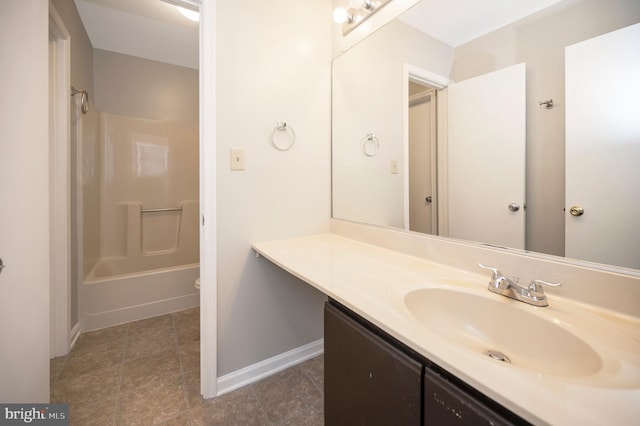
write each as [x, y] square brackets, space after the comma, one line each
[368, 381]
[446, 404]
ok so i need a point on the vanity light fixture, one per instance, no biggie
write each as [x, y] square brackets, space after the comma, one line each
[359, 11]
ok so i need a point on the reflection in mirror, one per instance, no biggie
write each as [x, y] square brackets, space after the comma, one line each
[371, 95]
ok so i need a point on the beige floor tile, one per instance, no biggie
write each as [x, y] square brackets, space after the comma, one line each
[192, 383]
[235, 408]
[290, 397]
[190, 356]
[99, 414]
[80, 362]
[314, 369]
[187, 325]
[112, 337]
[155, 322]
[147, 341]
[153, 403]
[148, 372]
[188, 315]
[150, 369]
[89, 388]
[182, 419]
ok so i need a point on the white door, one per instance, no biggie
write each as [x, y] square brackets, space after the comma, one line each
[421, 166]
[486, 158]
[24, 202]
[603, 148]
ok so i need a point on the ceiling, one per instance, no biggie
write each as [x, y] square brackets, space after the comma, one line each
[150, 29]
[154, 29]
[456, 22]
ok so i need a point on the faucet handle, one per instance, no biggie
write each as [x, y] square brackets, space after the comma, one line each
[536, 285]
[496, 272]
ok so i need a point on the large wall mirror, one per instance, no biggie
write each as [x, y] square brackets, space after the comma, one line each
[523, 137]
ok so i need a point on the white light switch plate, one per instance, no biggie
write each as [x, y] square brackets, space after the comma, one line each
[394, 167]
[236, 159]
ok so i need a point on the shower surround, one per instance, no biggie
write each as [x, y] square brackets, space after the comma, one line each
[148, 240]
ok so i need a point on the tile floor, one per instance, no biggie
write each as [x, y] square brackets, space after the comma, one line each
[148, 372]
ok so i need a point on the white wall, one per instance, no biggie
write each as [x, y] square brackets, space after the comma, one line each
[24, 204]
[368, 97]
[273, 65]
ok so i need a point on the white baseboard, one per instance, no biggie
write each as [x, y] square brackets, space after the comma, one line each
[268, 367]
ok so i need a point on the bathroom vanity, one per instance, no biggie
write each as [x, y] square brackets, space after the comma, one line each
[371, 378]
[413, 334]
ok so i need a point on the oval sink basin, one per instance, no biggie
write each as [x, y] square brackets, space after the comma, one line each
[497, 328]
[562, 341]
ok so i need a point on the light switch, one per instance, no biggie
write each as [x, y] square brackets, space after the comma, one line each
[394, 167]
[237, 159]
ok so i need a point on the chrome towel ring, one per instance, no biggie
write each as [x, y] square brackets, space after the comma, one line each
[369, 145]
[84, 100]
[281, 127]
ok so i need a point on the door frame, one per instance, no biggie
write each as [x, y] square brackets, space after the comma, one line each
[208, 218]
[208, 223]
[438, 82]
[59, 178]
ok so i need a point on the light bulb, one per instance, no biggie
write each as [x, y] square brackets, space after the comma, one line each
[340, 15]
[361, 4]
[189, 14]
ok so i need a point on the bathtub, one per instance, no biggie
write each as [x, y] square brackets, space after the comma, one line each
[116, 291]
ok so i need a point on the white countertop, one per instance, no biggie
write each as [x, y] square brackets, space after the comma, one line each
[365, 277]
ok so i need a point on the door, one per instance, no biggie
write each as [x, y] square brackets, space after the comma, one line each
[422, 180]
[24, 202]
[603, 149]
[486, 158]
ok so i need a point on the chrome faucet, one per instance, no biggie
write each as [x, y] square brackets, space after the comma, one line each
[533, 294]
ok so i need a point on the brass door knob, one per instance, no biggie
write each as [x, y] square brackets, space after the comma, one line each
[576, 211]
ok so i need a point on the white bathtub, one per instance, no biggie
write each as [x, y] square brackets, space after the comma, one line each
[109, 300]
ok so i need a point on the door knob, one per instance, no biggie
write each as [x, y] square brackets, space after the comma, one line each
[428, 199]
[514, 207]
[576, 211]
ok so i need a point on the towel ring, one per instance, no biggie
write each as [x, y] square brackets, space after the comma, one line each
[369, 145]
[84, 99]
[282, 127]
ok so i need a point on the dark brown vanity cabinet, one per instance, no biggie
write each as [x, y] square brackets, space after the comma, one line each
[372, 379]
[367, 381]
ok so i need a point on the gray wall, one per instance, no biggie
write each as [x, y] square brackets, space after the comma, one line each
[539, 40]
[273, 65]
[128, 85]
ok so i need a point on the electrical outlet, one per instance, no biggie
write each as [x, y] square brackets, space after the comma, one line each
[394, 167]
[237, 159]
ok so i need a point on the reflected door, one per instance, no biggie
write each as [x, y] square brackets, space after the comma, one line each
[486, 158]
[422, 188]
[603, 149]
